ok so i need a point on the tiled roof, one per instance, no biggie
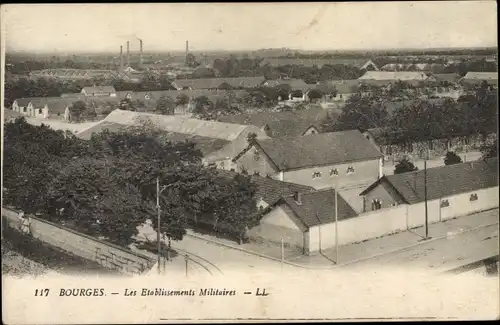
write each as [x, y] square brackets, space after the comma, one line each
[450, 77]
[204, 144]
[268, 189]
[55, 104]
[104, 89]
[281, 124]
[23, 102]
[295, 84]
[481, 76]
[318, 150]
[318, 208]
[394, 75]
[180, 124]
[443, 181]
[214, 83]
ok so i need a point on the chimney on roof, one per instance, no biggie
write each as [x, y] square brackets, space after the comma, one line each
[121, 58]
[297, 196]
[128, 53]
[140, 53]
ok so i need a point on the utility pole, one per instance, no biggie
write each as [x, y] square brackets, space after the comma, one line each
[336, 224]
[282, 254]
[158, 240]
[425, 198]
[186, 258]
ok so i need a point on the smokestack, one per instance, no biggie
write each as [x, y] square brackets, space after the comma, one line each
[121, 58]
[140, 53]
[187, 51]
[128, 53]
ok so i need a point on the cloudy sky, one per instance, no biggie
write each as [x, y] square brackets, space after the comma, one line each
[233, 26]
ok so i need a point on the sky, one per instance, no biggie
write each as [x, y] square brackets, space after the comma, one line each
[249, 26]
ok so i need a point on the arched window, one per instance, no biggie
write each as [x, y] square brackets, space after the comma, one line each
[376, 204]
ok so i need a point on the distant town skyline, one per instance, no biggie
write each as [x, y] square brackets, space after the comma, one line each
[85, 28]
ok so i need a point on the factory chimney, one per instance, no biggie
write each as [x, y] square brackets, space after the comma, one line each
[121, 59]
[128, 53]
[140, 52]
[187, 52]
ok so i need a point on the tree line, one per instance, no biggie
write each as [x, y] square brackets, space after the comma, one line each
[107, 186]
[421, 119]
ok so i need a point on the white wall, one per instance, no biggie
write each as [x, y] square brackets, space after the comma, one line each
[365, 226]
[383, 222]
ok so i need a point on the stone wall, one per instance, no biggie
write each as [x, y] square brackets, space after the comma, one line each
[88, 247]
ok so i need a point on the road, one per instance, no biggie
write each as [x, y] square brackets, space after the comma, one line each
[213, 258]
[442, 254]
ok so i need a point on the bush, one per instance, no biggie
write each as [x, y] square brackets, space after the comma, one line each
[404, 166]
[452, 158]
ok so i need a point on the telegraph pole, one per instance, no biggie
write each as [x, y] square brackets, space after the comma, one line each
[336, 224]
[282, 254]
[158, 240]
[425, 198]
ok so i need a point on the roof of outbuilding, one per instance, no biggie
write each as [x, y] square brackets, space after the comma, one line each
[104, 89]
[268, 189]
[317, 208]
[394, 75]
[481, 76]
[204, 144]
[295, 84]
[281, 124]
[23, 102]
[318, 149]
[450, 77]
[442, 181]
[180, 124]
[214, 83]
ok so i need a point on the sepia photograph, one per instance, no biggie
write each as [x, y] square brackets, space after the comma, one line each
[249, 162]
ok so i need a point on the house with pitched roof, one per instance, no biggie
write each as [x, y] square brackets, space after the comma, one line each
[344, 159]
[450, 191]
[43, 107]
[282, 124]
[304, 220]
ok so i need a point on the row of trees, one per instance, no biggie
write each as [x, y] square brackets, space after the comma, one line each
[421, 119]
[107, 186]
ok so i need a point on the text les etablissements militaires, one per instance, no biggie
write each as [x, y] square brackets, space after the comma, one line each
[186, 292]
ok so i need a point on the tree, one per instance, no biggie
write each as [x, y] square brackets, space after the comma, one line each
[77, 110]
[165, 106]
[360, 113]
[314, 94]
[251, 137]
[182, 99]
[404, 166]
[489, 148]
[452, 158]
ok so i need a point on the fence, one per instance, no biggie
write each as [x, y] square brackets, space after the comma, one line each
[87, 247]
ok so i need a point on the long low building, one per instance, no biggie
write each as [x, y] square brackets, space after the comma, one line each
[219, 142]
[218, 83]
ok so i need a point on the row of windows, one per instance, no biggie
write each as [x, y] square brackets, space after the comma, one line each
[334, 172]
[445, 203]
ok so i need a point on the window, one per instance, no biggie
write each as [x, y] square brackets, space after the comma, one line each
[334, 172]
[24, 109]
[376, 204]
[313, 132]
[431, 145]
[473, 197]
[445, 203]
[40, 111]
[316, 175]
[256, 155]
[350, 170]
